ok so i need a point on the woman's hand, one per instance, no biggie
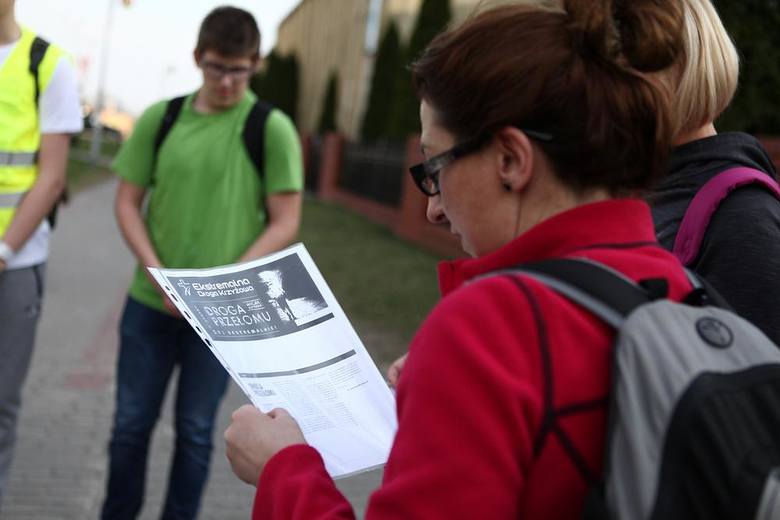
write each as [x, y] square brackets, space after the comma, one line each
[394, 372]
[253, 437]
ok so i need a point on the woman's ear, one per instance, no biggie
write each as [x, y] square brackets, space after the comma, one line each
[516, 159]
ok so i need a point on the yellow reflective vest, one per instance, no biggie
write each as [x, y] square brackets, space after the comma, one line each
[20, 135]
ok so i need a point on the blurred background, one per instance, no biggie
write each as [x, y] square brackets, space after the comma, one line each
[328, 63]
[339, 69]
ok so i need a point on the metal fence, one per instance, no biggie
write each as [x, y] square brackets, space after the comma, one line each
[313, 164]
[374, 171]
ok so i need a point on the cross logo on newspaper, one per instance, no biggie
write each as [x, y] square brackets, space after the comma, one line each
[184, 285]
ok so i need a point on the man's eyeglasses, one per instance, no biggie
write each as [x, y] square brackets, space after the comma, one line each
[219, 71]
[426, 174]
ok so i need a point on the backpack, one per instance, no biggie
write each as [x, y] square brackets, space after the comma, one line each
[694, 416]
[37, 53]
[253, 134]
[703, 205]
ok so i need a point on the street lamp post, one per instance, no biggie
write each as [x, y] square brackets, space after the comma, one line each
[97, 126]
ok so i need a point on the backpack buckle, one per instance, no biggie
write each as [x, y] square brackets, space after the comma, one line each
[698, 298]
[656, 288]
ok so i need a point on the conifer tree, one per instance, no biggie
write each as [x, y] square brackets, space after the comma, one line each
[278, 84]
[433, 17]
[387, 64]
[753, 25]
[329, 106]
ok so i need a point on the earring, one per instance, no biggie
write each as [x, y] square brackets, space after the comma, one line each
[507, 187]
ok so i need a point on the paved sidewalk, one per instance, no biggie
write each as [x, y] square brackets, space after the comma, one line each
[60, 461]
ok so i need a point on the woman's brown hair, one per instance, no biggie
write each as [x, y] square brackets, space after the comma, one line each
[574, 72]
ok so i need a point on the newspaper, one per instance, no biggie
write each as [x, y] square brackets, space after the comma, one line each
[278, 330]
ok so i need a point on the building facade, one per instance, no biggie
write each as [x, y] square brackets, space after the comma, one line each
[341, 36]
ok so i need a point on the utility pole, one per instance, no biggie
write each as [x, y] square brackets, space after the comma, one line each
[97, 126]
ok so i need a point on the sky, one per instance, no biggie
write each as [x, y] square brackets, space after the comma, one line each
[149, 53]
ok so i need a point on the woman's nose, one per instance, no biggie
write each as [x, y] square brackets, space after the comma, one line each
[434, 211]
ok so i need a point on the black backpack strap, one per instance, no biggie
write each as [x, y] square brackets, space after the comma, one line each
[603, 291]
[703, 293]
[254, 136]
[172, 111]
[37, 53]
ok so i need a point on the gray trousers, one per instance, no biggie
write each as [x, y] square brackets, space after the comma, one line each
[21, 294]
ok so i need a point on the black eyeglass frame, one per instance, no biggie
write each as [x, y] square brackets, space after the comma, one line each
[218, 71]
[426, 173]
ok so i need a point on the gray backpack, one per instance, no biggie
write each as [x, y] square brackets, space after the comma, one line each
[694, 417]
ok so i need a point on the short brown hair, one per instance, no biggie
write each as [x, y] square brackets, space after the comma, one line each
[575, 72]
[229, 31]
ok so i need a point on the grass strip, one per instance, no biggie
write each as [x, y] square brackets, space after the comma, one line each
[385, 285]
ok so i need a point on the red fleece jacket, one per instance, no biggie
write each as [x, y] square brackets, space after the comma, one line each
[473, 440]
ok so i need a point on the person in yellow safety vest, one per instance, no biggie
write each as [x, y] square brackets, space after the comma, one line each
[39, 110]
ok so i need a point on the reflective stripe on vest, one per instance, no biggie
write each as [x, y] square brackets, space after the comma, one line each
[10, 200]
[20, 135]
[18, 158]
[8, 204]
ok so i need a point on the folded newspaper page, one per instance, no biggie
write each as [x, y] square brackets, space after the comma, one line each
[278, 330]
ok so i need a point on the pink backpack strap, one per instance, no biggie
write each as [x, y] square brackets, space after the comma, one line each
[706, 201]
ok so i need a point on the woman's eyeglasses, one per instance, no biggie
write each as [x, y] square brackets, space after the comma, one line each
[426, 174]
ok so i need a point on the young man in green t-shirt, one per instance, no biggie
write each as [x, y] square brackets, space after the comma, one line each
[208, 205]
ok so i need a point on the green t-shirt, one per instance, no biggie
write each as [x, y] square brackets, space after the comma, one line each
[206, 200]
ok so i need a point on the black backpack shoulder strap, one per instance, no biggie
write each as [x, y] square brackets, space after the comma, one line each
[37, 52]
[172, 111]
[254, 136]
[603, 291]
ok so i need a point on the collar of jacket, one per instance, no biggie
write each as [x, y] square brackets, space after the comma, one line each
[610, 223]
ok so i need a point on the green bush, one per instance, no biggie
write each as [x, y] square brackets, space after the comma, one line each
[278, 84]
[387, 63]
[433, 17]
[329, 106]
[755, 27]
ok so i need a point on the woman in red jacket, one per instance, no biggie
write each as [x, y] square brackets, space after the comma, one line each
[538, 128]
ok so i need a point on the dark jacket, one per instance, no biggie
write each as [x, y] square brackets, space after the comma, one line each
[740, 253]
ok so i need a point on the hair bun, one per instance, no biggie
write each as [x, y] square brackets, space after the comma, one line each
[592, 27]
[650, 32]
[645, 34]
